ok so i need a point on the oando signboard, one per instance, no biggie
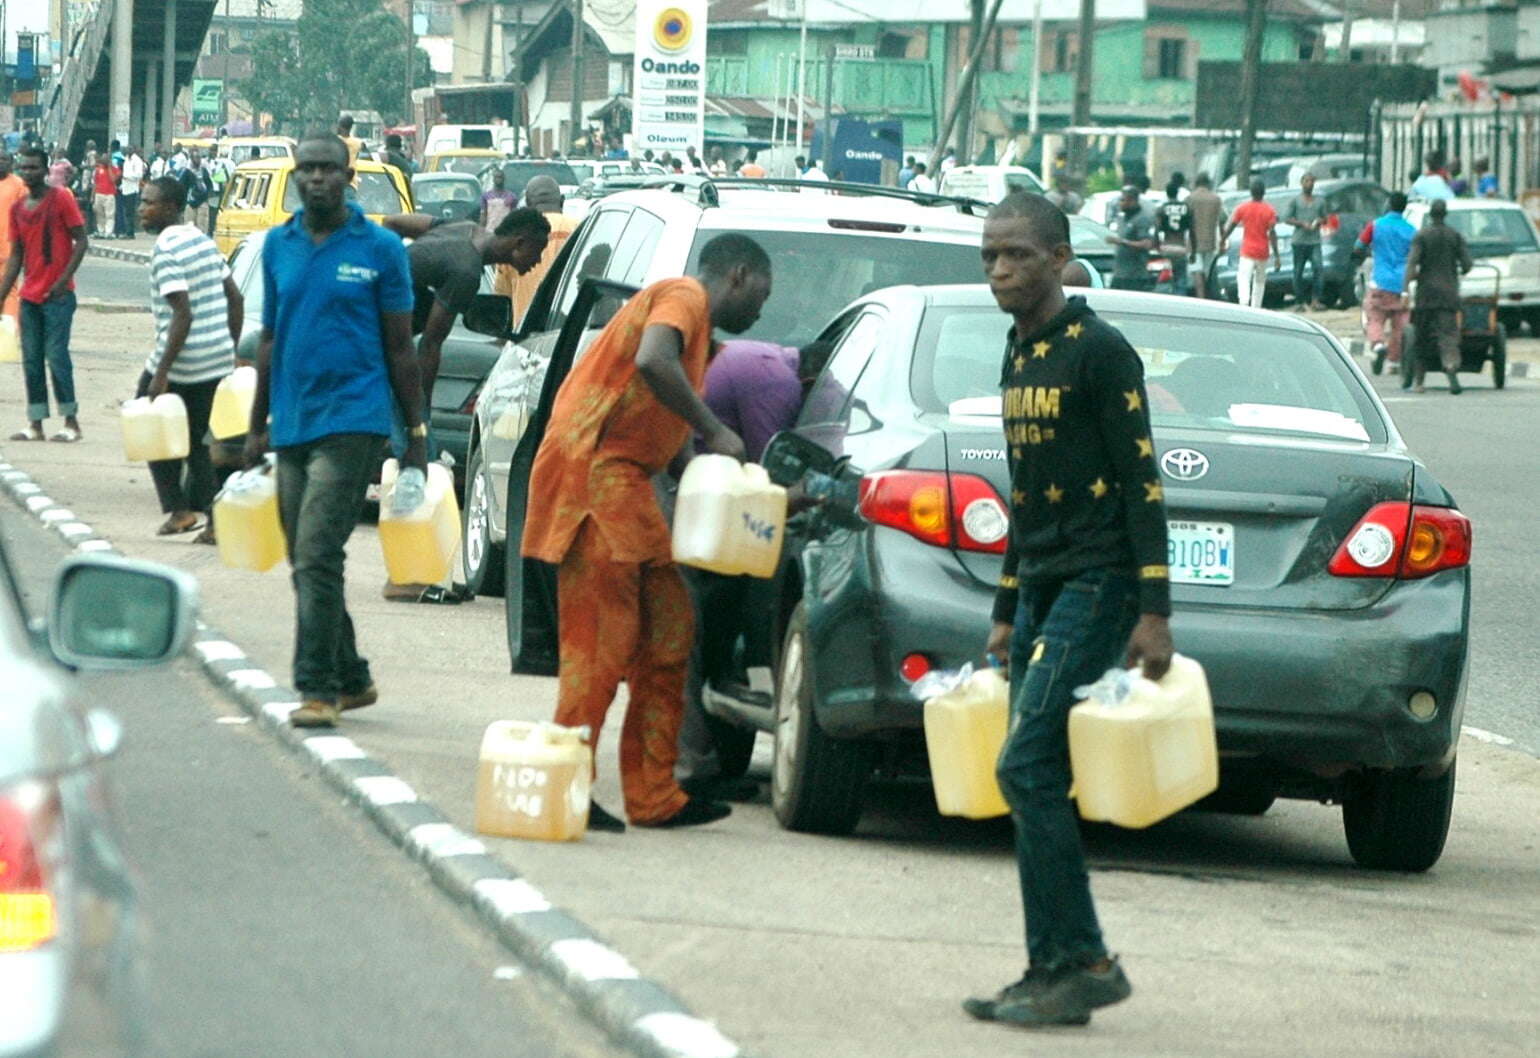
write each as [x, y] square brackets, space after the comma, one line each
[669, 99]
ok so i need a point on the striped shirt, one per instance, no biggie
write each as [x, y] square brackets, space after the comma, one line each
[186, 261]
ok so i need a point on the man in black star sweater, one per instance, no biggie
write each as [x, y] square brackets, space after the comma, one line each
[1084, 587]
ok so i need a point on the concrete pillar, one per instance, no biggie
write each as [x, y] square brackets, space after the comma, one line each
[121, 90]
[168, 77]
[151, 106]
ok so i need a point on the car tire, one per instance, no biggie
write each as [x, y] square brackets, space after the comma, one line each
[1499, 357]
[1397, 821]
[816, 782]
[482, 563]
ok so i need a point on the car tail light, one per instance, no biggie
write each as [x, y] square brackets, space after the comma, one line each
[1404, 540]
[469, 407]
[29, 818]
[945, 510]
[913, 667]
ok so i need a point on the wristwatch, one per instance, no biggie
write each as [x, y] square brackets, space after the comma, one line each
[420, 430]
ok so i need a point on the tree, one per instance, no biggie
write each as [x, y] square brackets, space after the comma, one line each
[342, 54]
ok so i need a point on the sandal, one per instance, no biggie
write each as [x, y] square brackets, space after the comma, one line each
[66, 436]
[28, 434]
[171, 527]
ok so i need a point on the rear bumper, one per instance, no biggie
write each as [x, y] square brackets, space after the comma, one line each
[33, 988]
[1315, 690]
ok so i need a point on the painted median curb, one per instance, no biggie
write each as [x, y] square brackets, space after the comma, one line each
[638, 1014]
[131, 256]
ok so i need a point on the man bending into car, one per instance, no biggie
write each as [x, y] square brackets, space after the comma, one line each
[1084, 587]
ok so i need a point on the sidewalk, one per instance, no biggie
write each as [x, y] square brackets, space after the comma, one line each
[1243, 936]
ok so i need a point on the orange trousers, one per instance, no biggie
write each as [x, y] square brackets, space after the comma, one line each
[633, 622]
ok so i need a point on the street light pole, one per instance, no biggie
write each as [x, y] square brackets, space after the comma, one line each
[802, 78]
[1037, 67]
[1081, 112]
[575, 118]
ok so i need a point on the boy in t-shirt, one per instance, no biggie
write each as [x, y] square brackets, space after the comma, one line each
[1259, 226]
[48, 243]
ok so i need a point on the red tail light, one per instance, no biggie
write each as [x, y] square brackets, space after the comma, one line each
[469, 407]
[28, 818]
[1405, 541]
[945, 510]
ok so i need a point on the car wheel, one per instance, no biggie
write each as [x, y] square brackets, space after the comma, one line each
[816, 781]
[481, 561]
[1397, 821]
[1241, 800]
[1499, 357]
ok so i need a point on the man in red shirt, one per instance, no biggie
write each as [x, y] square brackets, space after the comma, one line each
[105, 202]
[48, 243]
[1259, 223]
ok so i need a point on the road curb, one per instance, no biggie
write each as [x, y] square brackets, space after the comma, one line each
[638, 1014]
[131, 256]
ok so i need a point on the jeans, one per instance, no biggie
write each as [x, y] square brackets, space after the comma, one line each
[198, 492]
[45, 337]
[1251, 281]
[130, 223]
[1307, 255]
[1067, 633]
[321, 488]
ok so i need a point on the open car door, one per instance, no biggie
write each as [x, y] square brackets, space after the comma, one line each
[530, 598]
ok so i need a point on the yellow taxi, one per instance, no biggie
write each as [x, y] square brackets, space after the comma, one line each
[250, 148]
[471, 160]
[262, 194]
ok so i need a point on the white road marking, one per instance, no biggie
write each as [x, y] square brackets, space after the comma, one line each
[280, 711]
[38, 503]
[77, 529]
[507, 973]
[444, 839]
[512, 896]
[1489, 737]
[687, 1036]
[27, 488]
[93, 545]
[218, 650]
[58, 514]
[385, 790]
[334, 747]
[252, 679]
[593, 961]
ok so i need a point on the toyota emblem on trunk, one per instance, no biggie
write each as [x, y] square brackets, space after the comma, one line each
[1184, 464]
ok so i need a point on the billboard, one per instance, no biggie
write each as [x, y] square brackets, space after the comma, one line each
[207, 95]
[1320, 97]
[668, 105]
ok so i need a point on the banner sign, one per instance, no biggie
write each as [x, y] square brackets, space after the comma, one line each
[668, 106]
[206, 98]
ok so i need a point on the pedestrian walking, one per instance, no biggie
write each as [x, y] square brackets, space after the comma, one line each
[134, 171]
[1084, 587]
[1307, 215]
[1207, 213]
[12, 191]
[1259, 232]
[1438, 258]
[221, 172]
[335, 355]
[1389, 239]
[48, 242]
[498, 201]
[1132, 238]
[104, 202]
[198, 315]
[1173, 223]
[200, 187]
[542, 194]
[1432, 185]
[623, 413]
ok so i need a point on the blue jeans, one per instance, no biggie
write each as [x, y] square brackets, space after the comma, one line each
[321, 487]
[45, 339]
[1067, 633]
[1307, 255]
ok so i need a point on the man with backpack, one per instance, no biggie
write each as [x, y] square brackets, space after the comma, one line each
[200, 189]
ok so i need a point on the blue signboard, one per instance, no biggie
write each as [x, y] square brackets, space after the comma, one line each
[860, 148]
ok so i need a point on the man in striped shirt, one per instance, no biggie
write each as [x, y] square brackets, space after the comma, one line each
[198, 311]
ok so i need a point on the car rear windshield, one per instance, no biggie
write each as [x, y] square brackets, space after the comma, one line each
[517, 174]
[818, 273]
[471, 164]
[1494, 232]
[375, 193]
[1198, 373]
[434, 192]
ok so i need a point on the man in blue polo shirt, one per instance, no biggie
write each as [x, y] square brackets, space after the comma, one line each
[335, 355]
[1389, 240]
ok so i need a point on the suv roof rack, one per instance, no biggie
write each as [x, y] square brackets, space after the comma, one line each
[706, 188]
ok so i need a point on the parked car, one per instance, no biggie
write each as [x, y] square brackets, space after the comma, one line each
[1288, 172]
[518, 172]
[1502, 235]
[250, 148]
[988, 183]
[467, 357]
[827, 249]
[1350, 204]
[472, 161]
[67, 904]
[263, 194]
[449, 196]
[444, 139]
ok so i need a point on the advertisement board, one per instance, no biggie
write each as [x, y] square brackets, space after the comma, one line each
[206, 98]
[668, 106]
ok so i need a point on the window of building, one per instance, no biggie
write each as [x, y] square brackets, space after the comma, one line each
[1173, 58]
[1000, 54]
[1169, 54]
[217, 44]
[728, 42]
[1061, 50]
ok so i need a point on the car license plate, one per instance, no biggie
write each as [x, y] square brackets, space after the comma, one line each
[1201, 552]
[372, 493]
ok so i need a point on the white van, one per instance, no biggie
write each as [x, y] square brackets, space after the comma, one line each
[443, 138]
[988, 183]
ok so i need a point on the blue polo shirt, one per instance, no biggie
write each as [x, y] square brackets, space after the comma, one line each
[323, 305]
[1390, 241]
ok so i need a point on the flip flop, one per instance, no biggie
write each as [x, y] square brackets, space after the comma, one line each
[169, 528]
[27, 435]
[66, 436]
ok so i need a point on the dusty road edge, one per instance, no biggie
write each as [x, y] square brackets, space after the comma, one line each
[638, 1014]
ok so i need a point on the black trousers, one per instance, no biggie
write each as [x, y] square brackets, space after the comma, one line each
[187, 484]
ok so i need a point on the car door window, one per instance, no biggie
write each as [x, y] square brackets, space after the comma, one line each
[830, 396]
[633, 253]
[590, 258]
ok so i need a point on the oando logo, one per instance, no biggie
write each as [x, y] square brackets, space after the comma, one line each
[672, 31]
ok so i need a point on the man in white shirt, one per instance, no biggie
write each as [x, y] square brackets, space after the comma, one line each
[159, 167]
[922, 181]
[134, 170]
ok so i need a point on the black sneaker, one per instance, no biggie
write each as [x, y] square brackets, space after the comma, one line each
[696, 811]
[1032, 982]
[1380, 352]
[1083, 988]
[599, 819]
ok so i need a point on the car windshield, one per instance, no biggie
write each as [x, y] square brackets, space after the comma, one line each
[1198, 374]
[1088, 237]
[434, 192]
[582, 172]
[471, 165]
[375, 192]
[817, 273]
[1494, 232]
[517, 174]
[246, 152]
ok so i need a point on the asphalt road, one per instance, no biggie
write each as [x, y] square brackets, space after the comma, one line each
[114, 282]
[275, 920]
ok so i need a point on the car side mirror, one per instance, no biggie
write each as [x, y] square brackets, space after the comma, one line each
[111, 612]
[490, 314]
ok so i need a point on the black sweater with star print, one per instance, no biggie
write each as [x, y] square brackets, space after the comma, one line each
[1085, 489]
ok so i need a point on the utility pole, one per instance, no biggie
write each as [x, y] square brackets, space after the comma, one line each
[409, 6]
[1080, 114]
[964, 88]
[802, 79]
[828, 109]
[1037, 73]
[969, 96]
[576, 118]
[1251, 75]
[1345, 48]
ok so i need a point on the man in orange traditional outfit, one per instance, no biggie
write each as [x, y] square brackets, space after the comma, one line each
[12, 190]
[630, 406]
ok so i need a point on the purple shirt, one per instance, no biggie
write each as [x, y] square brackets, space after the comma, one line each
[497, 205]
[753, 388]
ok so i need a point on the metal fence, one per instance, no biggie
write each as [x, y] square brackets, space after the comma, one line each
[1505, 133]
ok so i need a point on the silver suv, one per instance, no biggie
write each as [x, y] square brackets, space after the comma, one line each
[828, 248]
